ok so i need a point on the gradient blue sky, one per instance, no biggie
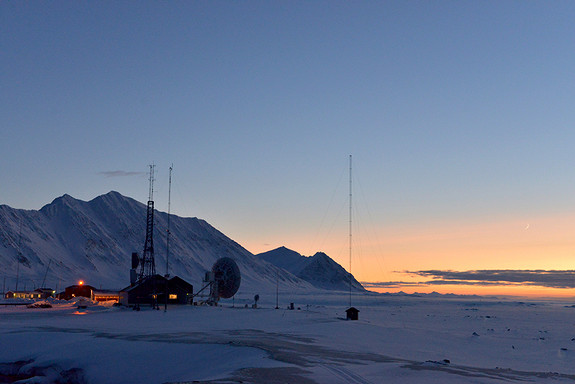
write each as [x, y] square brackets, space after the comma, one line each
[458, 114]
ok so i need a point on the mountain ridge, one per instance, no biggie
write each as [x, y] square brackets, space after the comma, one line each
[93, 240]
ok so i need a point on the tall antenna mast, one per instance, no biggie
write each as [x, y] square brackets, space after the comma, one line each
[168, 231]
[168, 237]
[151, 185]
[350, 227]
[19, 254]
[148, 265]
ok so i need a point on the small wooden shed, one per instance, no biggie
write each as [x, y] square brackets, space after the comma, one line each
[352, 313]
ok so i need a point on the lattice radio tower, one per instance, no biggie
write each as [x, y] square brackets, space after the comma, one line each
[147, 263]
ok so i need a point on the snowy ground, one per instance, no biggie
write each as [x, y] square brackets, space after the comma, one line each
[398, 339]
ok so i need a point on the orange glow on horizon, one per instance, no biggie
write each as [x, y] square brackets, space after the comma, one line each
[81, 282]
[534, 242]
[515, 290]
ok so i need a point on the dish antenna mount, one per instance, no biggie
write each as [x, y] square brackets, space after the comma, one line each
[224, 279]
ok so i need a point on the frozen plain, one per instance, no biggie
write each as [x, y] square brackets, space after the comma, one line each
[398, 339]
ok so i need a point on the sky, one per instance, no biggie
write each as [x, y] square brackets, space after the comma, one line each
[458, 115]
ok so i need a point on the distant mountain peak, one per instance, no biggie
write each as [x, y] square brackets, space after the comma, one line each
[63, 201]
[64, 198]
[110, 195]
[320, 270]
[114, 197]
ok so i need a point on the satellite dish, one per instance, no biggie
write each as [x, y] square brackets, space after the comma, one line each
[227, 278]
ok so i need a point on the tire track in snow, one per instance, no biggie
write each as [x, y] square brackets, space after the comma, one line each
[346, 374]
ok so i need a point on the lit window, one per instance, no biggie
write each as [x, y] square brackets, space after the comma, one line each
[173, 296]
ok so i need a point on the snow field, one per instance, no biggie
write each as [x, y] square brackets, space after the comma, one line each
[399, 339]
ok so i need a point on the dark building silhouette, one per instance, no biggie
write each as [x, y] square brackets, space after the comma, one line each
[352, 313]
[78, 290]
[152, 291]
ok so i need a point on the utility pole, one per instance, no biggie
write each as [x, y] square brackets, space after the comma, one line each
[350, 227]
[168, 238]
[277, 289]
[19, 255]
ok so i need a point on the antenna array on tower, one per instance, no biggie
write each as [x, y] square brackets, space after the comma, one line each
[147, 263]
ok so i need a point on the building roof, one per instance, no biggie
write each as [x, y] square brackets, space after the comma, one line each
[161, 280]
[146, 281]
[76, 286]
[178, 281]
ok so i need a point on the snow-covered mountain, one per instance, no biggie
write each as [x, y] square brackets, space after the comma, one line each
[69, 239]
[320, 270]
